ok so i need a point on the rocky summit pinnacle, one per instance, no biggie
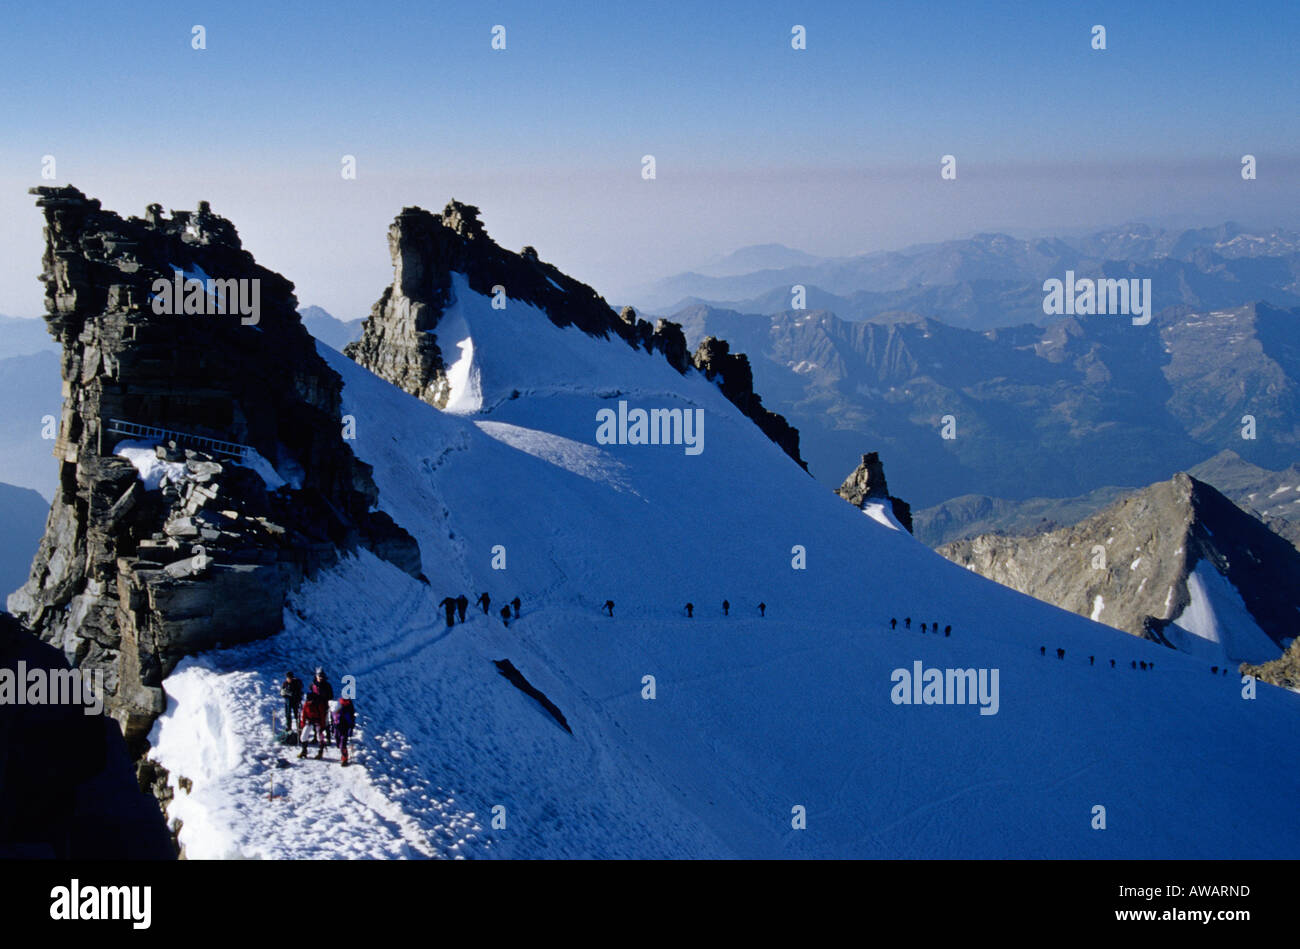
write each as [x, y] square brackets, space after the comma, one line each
[399, 340]
[867, 483]
[1176, 562]
[202, 468]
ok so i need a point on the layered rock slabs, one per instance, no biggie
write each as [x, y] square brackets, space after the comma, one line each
[203, 471]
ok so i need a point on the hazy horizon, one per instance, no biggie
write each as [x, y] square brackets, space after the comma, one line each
[834, 149]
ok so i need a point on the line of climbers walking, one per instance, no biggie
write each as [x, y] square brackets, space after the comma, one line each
[330, 722]
[1139, 664]
[925, 627]
[456, 607]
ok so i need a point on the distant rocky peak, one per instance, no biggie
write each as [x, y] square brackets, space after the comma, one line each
[867, 483]
[464, 220]
[399, 340]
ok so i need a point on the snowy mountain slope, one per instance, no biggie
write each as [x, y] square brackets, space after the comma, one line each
[752, 716]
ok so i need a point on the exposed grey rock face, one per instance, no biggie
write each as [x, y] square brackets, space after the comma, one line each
[1283, 671]
[867, 483]
[399, 338]
[1128, 565]
[129, 580]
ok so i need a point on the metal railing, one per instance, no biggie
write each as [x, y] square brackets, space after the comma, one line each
[215, 445]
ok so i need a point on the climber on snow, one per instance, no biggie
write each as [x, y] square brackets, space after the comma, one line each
[514, 605]
[762, 609]
[462, 604]
[449, 606]
[726, 608]
[291, 692]
[313, 717]
[690, 610]
[609, 607]
[322, 685]
[505, 616]
[484, 601]
[344, 719]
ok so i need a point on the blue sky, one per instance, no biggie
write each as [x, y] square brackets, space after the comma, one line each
[834, 148]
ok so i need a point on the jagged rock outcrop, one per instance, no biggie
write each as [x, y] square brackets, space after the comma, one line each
[1139, 564]
[867, 483]
[236, 425]
[1283, 671]
[399, 338]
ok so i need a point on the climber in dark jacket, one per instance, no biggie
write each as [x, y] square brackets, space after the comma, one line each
[690, 609]
[322, 685]
[609, 607]
[762, 609]
[893, 622]
[291, 692]
[514, 605]
[726, 608]
[505, 616]
[484, 601]
[449, 605]
[343, 719]
[462, 604]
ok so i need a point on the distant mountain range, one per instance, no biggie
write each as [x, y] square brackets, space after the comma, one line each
[992, 280]
[23, 337]
[327, 328]
[1085, 403]
[1271, 496]
[1176, 562]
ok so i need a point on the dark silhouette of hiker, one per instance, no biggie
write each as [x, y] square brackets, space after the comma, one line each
[893, 622]
[690, 609]
[1060, 654]
[1042, 650]
[449, 605]
[609, 608]
[1133, 664]
[1214, 670]
[935, 627]
[291, 692]
[484, 601]
[1112, 663]
[947, 630]
[1143, 666]
[505, 616]
[762, 609]
[922, 627]
[1151, 665]
[907, 622]
[1092, 660]
[462, 604]
[515, 604]
[726, 608]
